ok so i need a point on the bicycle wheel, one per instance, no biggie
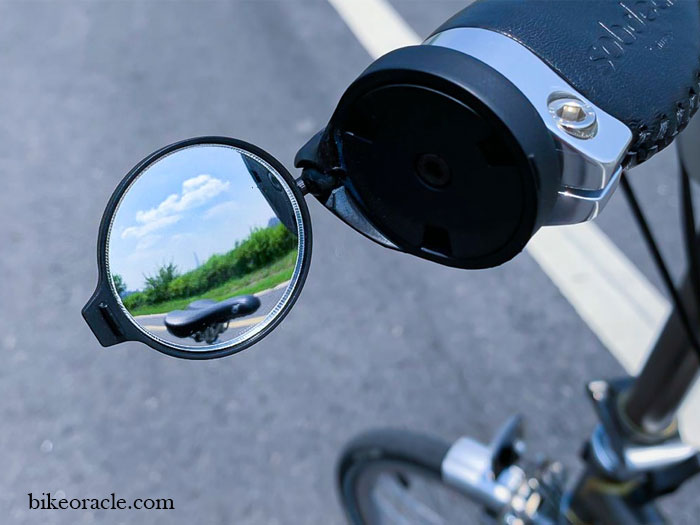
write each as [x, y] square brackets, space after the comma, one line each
[394, 477]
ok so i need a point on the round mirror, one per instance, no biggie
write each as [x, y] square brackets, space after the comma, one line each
[207, 246]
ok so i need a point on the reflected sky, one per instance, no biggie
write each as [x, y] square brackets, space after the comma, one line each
[186, 207]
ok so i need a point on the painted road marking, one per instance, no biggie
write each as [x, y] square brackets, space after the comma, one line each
[611, 295]
[246, 322]
[606, 289]
[376, 24]
[154, 328]
[278, 287]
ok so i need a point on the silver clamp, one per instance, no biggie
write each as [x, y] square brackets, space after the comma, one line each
[490, 474]
[592, 143]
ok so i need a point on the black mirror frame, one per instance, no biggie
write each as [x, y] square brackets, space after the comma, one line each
[104, 313]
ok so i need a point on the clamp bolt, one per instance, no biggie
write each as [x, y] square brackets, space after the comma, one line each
[573, 116]
[598, 389]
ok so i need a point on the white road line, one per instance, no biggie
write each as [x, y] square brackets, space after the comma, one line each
[618, 303]
[376, 24]
[273, 289]
[154, 328]
[610, 294]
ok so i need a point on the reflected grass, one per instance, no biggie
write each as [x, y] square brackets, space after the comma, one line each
[252, 283]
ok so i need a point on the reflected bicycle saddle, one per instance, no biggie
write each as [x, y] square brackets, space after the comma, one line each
[203, 313]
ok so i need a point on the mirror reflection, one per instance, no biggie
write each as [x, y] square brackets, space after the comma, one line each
[204, 245]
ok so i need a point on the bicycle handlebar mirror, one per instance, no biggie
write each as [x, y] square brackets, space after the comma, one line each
[456, 151]
[203, 249]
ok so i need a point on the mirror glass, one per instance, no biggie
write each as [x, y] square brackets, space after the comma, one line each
[203, 249]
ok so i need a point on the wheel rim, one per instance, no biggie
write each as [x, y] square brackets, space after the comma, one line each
[388, 492]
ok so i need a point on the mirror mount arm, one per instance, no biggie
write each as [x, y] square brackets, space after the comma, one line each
[320, 175]
[302, 185]
[317, 183]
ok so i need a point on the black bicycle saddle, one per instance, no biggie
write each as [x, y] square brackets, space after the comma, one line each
[200, 314]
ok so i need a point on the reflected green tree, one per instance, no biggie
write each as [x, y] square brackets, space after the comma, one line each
[156, 288]
[261, 261]
[119, 284]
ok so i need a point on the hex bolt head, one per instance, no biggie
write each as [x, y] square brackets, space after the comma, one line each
[598, 389]
[573, 116]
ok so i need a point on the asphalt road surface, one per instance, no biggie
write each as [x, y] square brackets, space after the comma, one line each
[377, 338]
[155, 323]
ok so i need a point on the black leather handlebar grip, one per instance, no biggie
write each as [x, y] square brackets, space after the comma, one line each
[638, 60]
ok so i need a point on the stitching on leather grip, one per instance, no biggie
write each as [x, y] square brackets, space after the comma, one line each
[649, 141]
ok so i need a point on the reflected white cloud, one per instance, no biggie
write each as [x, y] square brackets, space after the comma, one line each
[196, 191]
[150, 227]
[147, 242]
[222, 210]
[185, 208]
